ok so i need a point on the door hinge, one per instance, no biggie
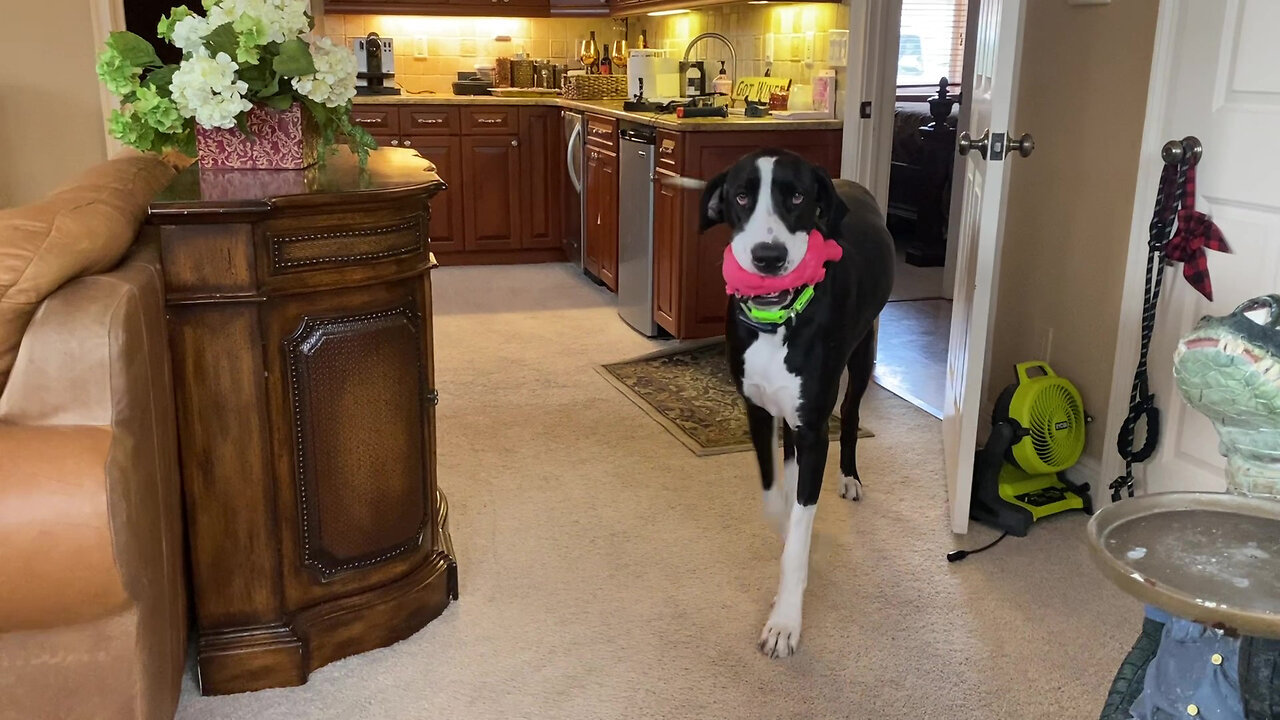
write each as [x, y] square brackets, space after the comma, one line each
[864, 110]
[433, 397]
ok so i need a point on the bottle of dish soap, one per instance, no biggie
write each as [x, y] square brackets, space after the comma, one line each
[722, 85]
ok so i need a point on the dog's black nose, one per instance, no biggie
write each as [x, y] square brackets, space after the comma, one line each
[769, 257]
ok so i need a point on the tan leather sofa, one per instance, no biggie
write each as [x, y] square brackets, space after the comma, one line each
[92, 597]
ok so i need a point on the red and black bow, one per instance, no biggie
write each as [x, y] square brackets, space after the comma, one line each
[1195, 233]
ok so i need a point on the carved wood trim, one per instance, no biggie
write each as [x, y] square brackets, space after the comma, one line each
[340, 247]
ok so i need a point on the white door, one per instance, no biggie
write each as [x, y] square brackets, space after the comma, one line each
[1214, 77]
[872, 76]
[997, 49]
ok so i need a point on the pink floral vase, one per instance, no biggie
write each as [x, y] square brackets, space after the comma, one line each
[277, 140]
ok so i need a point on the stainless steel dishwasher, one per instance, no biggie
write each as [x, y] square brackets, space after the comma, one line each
[635, 227]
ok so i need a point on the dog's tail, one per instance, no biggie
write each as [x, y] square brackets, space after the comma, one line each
[680, 181]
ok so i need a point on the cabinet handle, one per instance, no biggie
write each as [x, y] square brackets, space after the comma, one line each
[490, 121]
[429, 121]
[407, 143]
[367, 121]
[666, 149]
[515, 143]
[396, 142]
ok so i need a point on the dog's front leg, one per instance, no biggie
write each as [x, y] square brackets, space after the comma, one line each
[781, 635]
[764, 436]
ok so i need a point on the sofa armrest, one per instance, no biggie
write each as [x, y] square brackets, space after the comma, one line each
[57, 563]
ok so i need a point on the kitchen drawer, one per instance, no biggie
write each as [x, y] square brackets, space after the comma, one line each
[429, 120]
[602, 131]
[669, 152]
[489, 121]
[377, 119]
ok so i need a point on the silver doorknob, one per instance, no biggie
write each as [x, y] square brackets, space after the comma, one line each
[965, 144]
[396, 142]
[515, 143]
[407, 143]
[1024, 145]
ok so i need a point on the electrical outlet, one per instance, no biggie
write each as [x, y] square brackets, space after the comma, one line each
[768, 47]
[808, 47]
[837, 48]
[420, 47]
[1046, 344]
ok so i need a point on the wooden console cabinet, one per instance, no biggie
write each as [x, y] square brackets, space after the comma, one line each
[300, 328]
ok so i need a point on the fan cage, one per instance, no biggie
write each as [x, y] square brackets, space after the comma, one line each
[1056, 426]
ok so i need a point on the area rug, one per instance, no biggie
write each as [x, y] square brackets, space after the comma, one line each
[688, 390]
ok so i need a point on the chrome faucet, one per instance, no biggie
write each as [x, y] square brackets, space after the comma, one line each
[733, 55]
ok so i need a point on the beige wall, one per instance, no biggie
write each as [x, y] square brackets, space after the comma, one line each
[51, 123]
[1082, 94]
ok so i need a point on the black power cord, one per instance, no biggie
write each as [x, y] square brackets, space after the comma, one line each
[958, 555]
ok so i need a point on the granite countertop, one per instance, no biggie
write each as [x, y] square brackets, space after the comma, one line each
[610, 108]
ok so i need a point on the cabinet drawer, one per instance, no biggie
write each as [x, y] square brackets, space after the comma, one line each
[489, 121]
[429, 121]
[602, 131]
[352, 247]
[668, 146]
[377, 119]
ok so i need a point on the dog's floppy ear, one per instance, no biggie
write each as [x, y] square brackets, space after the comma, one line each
[831, 209]
[712, 212]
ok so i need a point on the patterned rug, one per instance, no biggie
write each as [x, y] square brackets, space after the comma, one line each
[689, 392]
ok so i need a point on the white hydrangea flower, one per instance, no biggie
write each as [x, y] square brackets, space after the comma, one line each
[280, 19]
[206, 88]
[334, 81]
[189, 32]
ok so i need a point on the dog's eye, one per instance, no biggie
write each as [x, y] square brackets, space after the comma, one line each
[797, 199]
[742, 199]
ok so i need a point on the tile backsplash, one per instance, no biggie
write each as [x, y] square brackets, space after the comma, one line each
[759, 33]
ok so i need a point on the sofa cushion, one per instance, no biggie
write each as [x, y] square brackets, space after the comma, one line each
[82, 229]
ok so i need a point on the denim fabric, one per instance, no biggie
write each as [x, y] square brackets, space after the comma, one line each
[1182, 674]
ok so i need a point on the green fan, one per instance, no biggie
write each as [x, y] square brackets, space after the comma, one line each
[1037, 433]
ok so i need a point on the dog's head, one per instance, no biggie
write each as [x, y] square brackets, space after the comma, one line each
[771, 200]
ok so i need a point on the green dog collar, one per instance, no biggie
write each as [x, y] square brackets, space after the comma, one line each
[779, 315]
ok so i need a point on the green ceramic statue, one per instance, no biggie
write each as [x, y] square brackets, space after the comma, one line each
[1228, 368]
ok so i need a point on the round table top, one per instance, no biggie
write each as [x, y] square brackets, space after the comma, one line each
[1209, 557]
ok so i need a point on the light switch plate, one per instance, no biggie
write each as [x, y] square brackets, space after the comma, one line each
[808, 47]
[768, 47]
[837, 48]
[420, 47]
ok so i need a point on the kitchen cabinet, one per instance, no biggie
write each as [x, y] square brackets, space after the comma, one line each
[600, 255]
[491, 205]
[495, 159]
[475, 8]
[689, 299]
[580, 8]
[541, 160]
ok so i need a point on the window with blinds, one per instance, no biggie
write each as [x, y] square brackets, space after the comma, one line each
[931, 43]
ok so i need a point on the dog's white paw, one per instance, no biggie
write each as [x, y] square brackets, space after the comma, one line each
[851, 488]
[780, 637]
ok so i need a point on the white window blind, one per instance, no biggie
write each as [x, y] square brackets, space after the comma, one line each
[931, 43]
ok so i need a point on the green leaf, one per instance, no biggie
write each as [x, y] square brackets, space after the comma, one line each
[160, 79]
[242, 122]
[281, 101]
[222, 39]
[294, 59]
[133, 49]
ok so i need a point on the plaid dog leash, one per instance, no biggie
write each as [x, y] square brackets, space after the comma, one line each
[1175, 198]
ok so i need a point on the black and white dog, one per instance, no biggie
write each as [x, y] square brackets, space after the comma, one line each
[789, 367]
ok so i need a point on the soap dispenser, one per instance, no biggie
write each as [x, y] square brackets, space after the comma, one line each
[722, 85]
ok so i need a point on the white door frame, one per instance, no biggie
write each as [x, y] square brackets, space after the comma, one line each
[106, 17]
[1150, 165]
[867, 144]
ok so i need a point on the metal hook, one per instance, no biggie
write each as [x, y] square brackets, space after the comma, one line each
[1175, 150]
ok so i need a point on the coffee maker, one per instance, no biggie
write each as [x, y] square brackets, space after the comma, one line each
[375, 64]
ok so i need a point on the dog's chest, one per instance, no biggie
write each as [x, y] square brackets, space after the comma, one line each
[767, 382]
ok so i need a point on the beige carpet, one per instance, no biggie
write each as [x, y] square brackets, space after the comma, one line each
[608, 573]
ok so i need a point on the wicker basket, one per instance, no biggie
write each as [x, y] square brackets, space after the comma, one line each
[595, 87]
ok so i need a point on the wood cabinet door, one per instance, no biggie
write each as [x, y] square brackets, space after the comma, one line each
[592, 212]
[609, 220]
[491, 206]
[668, 218]
[541, 162]
[446, 207]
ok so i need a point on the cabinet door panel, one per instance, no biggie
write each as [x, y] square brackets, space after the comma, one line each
[667, 223]
[446, 207]
[592, 212]
[608, 220]
[491, 171]
[540, 164]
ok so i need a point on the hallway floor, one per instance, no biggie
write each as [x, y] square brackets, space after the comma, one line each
[606, 572]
